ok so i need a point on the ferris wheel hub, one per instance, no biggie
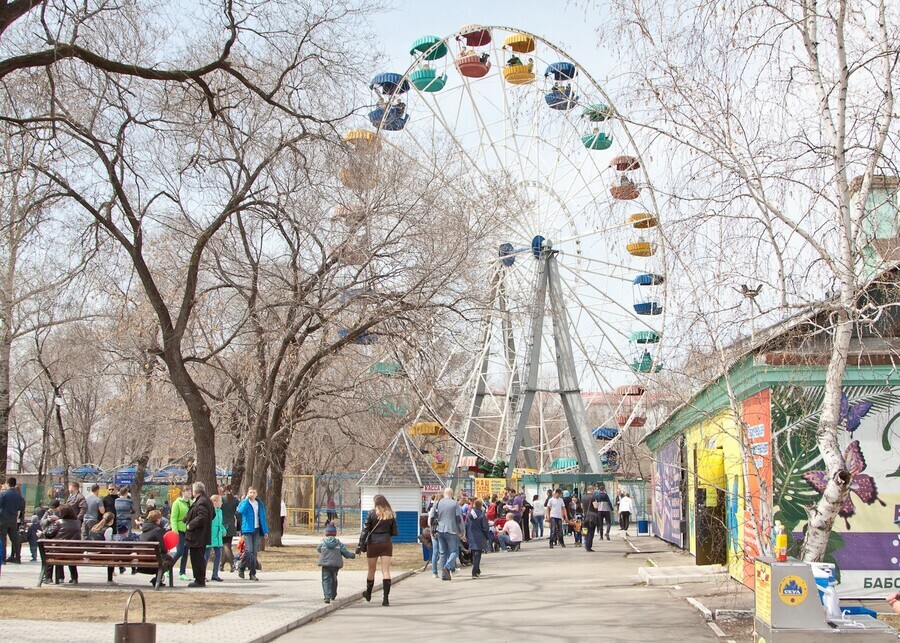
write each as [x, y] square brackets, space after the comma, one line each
[540, 245]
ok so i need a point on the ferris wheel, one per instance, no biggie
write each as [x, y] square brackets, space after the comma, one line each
[573, 270]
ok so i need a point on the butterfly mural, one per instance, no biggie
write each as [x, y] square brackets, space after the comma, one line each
[862, 485]
[851, 416]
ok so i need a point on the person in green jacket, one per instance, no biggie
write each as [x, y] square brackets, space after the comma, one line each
[179, 511]
[217, 531]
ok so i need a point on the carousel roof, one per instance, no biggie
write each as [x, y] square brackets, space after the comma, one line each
[400, 465]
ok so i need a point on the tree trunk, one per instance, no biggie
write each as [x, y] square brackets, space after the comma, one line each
[822, 515]
[257, 450]
[63, 442]
[138, 483]
[201, 422]
[237, 470]
[5, 349]
[274, 492]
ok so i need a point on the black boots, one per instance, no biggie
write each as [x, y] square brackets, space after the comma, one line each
[385, 590]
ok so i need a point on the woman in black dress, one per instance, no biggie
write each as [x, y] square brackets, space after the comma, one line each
[376, 540]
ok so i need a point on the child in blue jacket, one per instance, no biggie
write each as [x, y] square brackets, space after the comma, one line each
[332, 553]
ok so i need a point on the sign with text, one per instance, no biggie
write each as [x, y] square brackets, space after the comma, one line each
[487, 487]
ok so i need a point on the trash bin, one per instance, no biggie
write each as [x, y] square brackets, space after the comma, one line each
[142, 632]
[643, 527]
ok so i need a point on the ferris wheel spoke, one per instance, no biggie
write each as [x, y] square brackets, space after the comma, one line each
[580, 271]
[618, 269]
[600, 323]
[624, 314]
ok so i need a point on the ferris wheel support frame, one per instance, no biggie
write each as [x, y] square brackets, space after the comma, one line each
[497, 295]
[549, 286]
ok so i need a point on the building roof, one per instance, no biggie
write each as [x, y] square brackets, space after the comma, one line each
[400, 465]
[737, 356]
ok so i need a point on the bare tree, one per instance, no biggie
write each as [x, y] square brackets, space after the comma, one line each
[324, 291]
[141, 158]
[768, 110]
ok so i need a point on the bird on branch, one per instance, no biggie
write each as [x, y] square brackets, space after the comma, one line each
[746, 291]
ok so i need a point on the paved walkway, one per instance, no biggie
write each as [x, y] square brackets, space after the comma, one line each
[537, 594]
[534, 595]
[292, 598]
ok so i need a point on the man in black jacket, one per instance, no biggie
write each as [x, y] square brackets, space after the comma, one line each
[605, 509]
[12, 512]
[591, 517]
[198, 523]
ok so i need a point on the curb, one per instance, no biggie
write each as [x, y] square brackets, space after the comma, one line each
[733, 614]
[324, 610]
[700, 607]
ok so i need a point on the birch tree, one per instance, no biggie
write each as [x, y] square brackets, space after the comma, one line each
[767, 111]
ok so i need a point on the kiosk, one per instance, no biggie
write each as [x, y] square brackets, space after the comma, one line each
[789, 610]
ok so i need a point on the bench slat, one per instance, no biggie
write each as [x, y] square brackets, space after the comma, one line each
[93, 562]
[105, 560]
[129, 544]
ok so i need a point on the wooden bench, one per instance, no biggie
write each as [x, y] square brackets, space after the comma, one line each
[102, 553]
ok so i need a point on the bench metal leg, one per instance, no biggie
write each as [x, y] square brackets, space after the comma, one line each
[43, 573]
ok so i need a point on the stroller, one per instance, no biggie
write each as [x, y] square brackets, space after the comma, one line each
[241, 552]
[465, 554]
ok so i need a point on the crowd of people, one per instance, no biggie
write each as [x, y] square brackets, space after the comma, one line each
[459, 530]
[204, 527]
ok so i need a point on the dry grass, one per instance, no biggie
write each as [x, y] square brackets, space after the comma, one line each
[304, 557]
[49, 604]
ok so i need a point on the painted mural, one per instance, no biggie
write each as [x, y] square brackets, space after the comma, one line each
[716, 445]
[667, 512]
[757, 538]
[864, 543]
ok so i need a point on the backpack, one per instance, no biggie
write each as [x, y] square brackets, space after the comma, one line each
[492, 512]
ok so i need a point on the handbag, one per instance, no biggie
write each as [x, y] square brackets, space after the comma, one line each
[368, 539]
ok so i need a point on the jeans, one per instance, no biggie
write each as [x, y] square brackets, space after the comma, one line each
[435, 553]
[251, 547]
[181, 552]
[624, 519]
[537, 523]
[217, 559]
[556, 533]
[591, 526]
[505, 542]
[607, 518]
[449, 544]
[86, 527]
[329, 581]
[476, 562]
